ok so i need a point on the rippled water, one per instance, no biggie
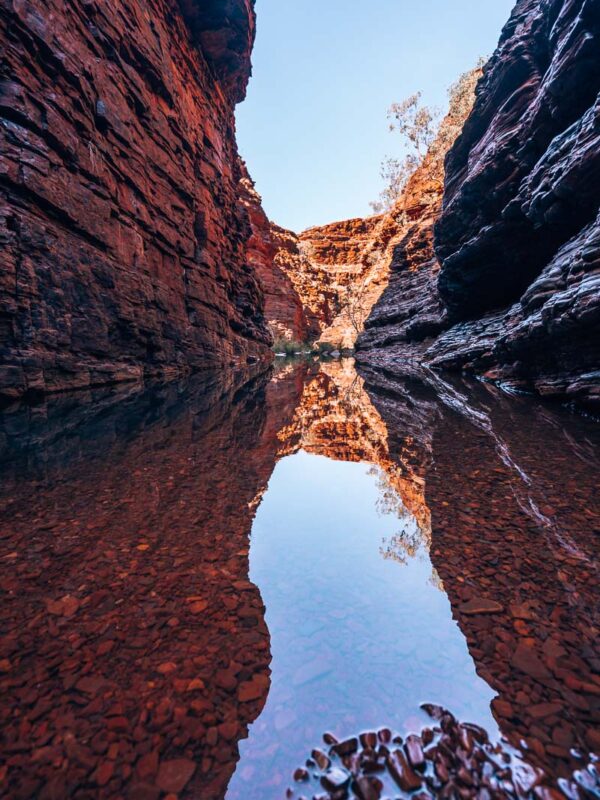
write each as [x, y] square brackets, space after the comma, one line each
[201, 579]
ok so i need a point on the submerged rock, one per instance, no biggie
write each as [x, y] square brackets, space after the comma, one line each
[452, 759]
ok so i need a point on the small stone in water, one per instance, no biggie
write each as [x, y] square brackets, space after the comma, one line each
[301, 775]
[174, 775]
[346, 747]
[321, 759]
[385, 735]
[335, 778]
[367, 788]
[402, 773]
[481, 605]
[414, 751]
[368, 739]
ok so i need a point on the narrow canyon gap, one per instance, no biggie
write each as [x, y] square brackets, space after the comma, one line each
[290, 514]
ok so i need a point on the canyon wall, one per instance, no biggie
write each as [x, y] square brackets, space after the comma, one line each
[123, 239]
[518, 240]
[345, 272]
[269, 250]
[337, 272]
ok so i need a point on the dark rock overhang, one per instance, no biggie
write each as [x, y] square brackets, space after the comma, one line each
[224, 31]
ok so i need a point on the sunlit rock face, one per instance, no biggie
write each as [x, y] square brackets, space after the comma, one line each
[123, 239]
[518, 237]
[134, 651]
[383, 267]
[344, 276]
[408, 308]
[339, 271]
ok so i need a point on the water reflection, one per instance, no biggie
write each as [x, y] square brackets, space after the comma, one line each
[225, 569]
[356, 639]
[134, 650]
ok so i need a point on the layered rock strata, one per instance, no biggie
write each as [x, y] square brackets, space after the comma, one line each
[518, 239]
[123, 239]
[338, 272]
[267, 252]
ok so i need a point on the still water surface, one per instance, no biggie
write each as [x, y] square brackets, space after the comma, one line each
[201, 579]
[357, 638]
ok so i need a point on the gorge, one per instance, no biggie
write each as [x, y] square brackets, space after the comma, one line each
[113, 272]
[294, 514]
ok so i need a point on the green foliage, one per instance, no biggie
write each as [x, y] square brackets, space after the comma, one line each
[290, 348]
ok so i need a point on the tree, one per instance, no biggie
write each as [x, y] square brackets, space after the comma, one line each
[396, 174]
[357, 304]
[426, 138]
[417, 124]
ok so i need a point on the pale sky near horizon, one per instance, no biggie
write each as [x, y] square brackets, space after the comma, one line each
[313, 129]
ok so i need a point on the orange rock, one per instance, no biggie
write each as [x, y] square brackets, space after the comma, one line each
[253, 689]
[105, 772]
[167, 668]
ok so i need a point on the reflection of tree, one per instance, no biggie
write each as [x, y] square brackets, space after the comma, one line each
[402, 546]
[412, 540]
[435, 580]
[407, 543]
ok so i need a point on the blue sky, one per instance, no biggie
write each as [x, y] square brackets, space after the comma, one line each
[313, 128]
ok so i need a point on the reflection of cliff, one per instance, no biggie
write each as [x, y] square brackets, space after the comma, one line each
[134, 651]
[513, 549]
[335, 418]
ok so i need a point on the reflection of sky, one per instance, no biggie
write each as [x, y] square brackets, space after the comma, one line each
[358, 641]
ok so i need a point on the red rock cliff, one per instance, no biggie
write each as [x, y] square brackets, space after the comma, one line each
[123, 241]
[270, 251]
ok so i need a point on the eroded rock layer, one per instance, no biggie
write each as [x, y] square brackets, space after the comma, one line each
[123, 241]
[518, 240]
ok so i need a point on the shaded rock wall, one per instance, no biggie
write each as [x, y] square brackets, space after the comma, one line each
[520, 220]
[123, 243]
[269, 250]
[518, 292]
